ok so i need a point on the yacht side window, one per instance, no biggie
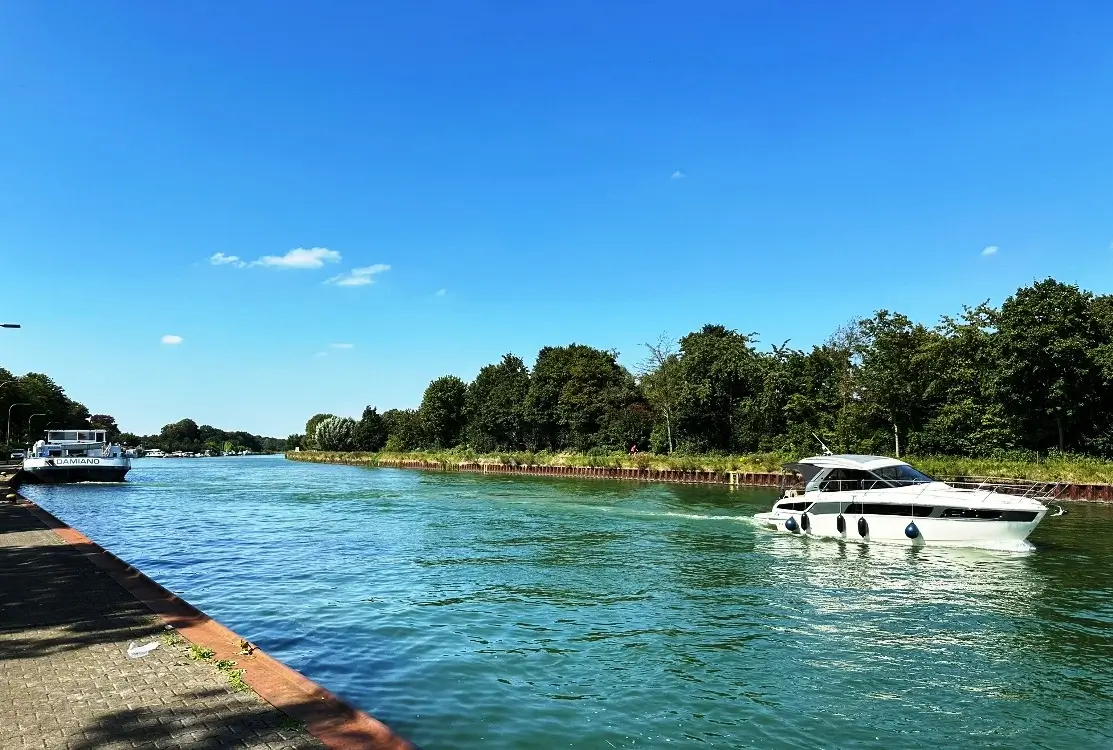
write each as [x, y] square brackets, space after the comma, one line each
[846, 480]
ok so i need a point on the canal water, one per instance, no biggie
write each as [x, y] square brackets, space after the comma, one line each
[475, 611]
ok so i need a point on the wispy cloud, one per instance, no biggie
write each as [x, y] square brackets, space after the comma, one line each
[220, 259]
[989, 250]
[441, 293]
[300, 257]
[343, 346]
[172, 339]
[358, 276]
[677, 175]
[321, 354]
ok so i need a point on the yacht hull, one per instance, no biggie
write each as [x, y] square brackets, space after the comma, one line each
[891, 528]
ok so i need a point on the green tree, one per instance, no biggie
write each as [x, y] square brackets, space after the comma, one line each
[893, 370]
[960, 367]
[495, 406]
[817, 399]
[336, 434]
[293, 442]
[41, 395]
[662, 382]
[107, 423]
[442, 411]
[1049, 369]
[575, 391]
[370, 434]
[720, 369]
[403, 429]
[183, 435]
[311, 429]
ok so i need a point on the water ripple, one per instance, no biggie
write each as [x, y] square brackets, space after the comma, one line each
[496, 612]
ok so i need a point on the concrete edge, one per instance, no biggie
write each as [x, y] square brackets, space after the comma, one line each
[326, 717]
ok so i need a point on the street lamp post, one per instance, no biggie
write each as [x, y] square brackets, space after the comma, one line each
[8, 432]
[38, 414]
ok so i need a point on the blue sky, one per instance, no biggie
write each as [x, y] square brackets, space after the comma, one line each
[510, 175]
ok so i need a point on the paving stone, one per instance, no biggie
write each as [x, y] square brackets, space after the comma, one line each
[66, 680]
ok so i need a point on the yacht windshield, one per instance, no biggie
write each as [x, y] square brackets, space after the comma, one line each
[902, 474]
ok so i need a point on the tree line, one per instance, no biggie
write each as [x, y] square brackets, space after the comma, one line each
[37, 404]
[1031, 375]
[186, 435]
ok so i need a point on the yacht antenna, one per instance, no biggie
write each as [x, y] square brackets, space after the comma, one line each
[826, 450]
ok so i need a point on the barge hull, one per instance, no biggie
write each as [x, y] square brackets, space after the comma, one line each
[68, 474]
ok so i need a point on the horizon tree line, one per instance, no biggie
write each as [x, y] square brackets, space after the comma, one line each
[38, 404]
[1032, 375]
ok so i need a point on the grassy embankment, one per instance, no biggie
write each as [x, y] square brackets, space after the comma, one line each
[1075, 469]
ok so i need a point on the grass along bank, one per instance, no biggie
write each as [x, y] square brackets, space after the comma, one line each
[1056, 467]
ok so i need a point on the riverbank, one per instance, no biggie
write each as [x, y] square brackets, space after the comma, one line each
[1082, 479]
[72, 613]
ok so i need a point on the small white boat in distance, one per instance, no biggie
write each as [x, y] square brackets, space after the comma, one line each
[874, 498]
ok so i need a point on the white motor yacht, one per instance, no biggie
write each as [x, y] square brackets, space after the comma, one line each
[867, 498]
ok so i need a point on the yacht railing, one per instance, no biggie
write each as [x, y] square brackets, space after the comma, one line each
[1042, 491]
[1033, 489]
[852, 485]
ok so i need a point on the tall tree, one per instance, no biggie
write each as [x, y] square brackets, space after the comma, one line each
[496, 406]
[1049, 374]
[107, 423]
[370, 434]
[442, 411]
[662, 383]
[403, 429]
[817, 399]
[720, 368]
[960, 366]
[41, 395]
[892, 376]
[311, 429]
[575, 391]
[336, 434]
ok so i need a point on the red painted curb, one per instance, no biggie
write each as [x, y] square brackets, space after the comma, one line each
[326, 717]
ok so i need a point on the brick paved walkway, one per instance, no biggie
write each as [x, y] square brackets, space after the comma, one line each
[66, 680]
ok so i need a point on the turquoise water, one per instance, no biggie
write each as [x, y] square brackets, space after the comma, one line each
[472, 611]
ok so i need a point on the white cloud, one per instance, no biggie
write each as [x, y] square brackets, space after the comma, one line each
[989, 250]
[678, 175]
[300, 257]
[343, 346]
[321, 354]
[172, 339]
[358, 276]
[441, 292]
[220, 259]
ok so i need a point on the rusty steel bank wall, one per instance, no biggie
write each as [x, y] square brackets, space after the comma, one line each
[1100, 493]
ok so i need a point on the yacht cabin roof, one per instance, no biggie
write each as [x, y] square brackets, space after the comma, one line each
[851, 461]
[810, 468]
